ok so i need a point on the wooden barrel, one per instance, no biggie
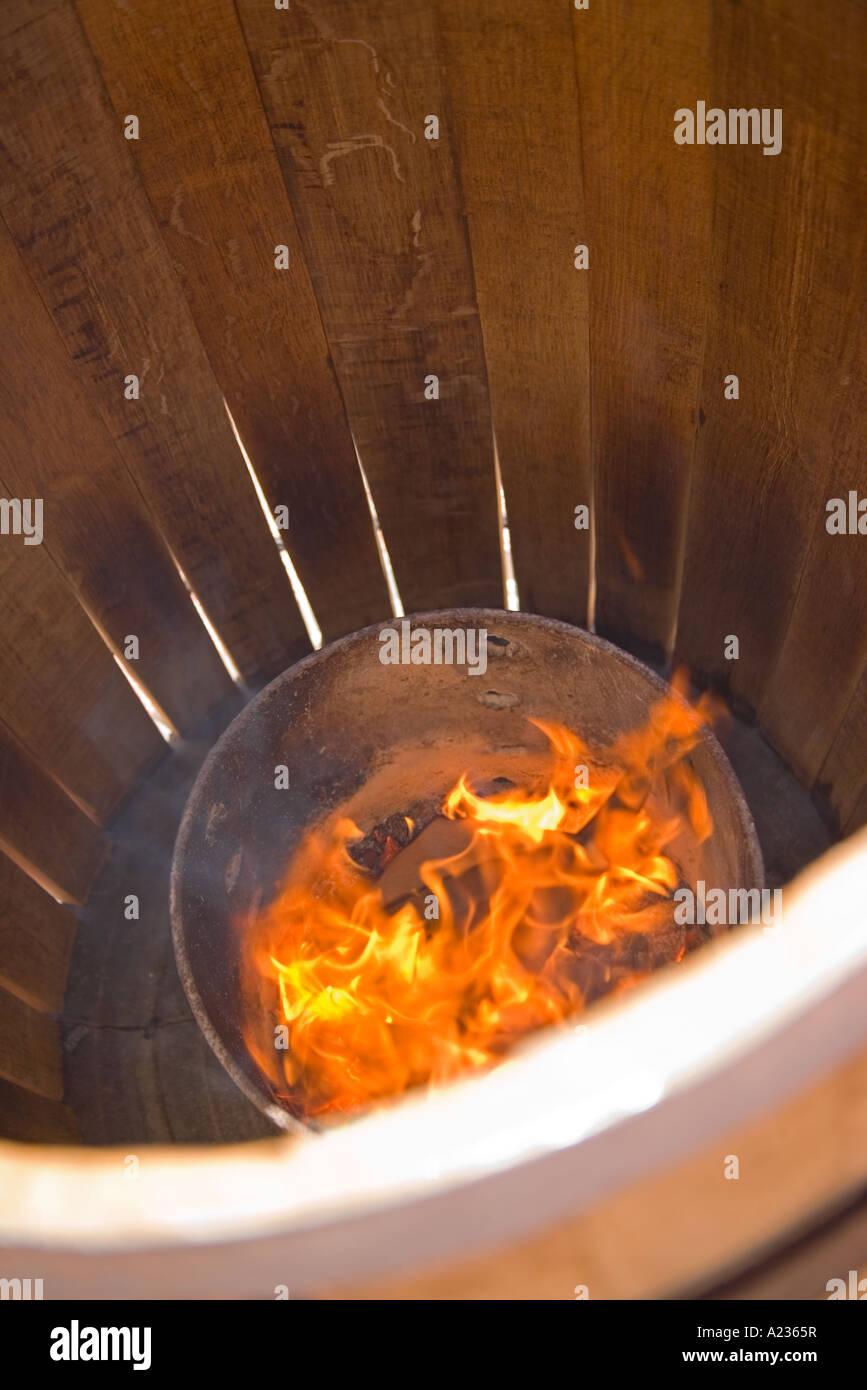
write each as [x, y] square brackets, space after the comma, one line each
[318, 315]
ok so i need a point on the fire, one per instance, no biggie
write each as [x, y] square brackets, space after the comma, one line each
[532, 902]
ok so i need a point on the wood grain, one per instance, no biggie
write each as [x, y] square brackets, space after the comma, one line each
[97, 527]
[76, 210]
[841, 784]
[42, 830]
[787, 267]
[31, 1119]
[60, 690]
[678, 1233]
[36, 937]
[821, 648]
[802, 1270]
[30, 1052]
[211, 173]
[347, 87]
[514, 101]
[648, 209]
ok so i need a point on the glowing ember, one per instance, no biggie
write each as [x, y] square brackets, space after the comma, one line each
[531, 903]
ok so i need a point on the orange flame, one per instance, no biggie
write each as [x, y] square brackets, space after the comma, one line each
[532, 903]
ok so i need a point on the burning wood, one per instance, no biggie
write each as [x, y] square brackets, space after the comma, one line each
[428, 945]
